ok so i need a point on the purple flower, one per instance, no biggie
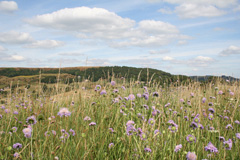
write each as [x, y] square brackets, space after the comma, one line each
[229, 126]
[178, 147]
[131, 97]
[192, 94]
[54, 132]
[139, 95]
[173, 127]
[0, 116]
[87, 118]
[7, 110]
[151, 121]
[211, 110]
[204, 100]
[130, 122]
[115, 91]
[111, 130]
[103, 92]
[92, 124]
[220, 92]
[111, 145]
[64, 136]
[123, 87]
[181, 100]
[130, 130]
[155, 94]
[16, 155]
[191, 156]
[146, 106]
[231, 93]
[210, 103]
[147, 150]
[72, 131]
[27, 132]
[210, 147]
[186, 118]
[17, 146]
[15, 112]
[200, 126]
[222, 138]
[143, 136]
[113, 83]
[226, 117]
[238, 135]
[190, 138]
[168, 104]
[194, 125]
[189, 102]
[31, 120]
[64, 112]
[97, 88]
[228, 144]
[237, 122]
[47, 133]
[156, 132]
[145, 96]
[14, 129]
[210, 116]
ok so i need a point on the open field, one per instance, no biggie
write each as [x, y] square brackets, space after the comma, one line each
[117, 119]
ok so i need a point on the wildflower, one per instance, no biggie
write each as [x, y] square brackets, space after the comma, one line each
[226, 117]
[123, 88]
[228, 144]
[229, 126]
[97, 88]
[27, 132]
[54, 132]
[220, 92]
[200, 126]
[64, 136]
[237, 122]
[154, 112]
[17, 145]
[192, 94]
[111, 130]
[210, 147]
[103, 92]
[72, 131]
[115, 91]
[87, 118]
[15, 112]
[3, 107]
[147, 150]
[111, 145]
[194, 125]
[186, 118]
[14, 129]
[92, 124]
[130, 122]
[16, 155]
[210, 103]
[211, 110]
[31, 120]
[151, 121]
[168, 104]
[173, 128]
[155, 94]
[156, 132]
[130, 130]
[64, 112]
[222, 138]
[204, 100]
[191, 156]
[113, 83]
[181, 100]
[190, 138]
[47, 133]
[7, 110]
[0, 116]
[238, 135]
[210, 116]
[131, 97]
[146, 106]
[178, 147]
[139, 95]
[196, 119]
[189, 102]
[143, 136]
[145, 96]
[231, 93]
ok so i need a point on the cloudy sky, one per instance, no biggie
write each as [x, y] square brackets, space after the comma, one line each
[191, 37]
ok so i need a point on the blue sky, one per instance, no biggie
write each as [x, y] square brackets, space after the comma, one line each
[190, 37]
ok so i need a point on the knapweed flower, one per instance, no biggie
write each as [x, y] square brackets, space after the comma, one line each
[131, 97]
[64, 112]
[191, 156]
[210, 147]
[147, 149]
[27, 132]
[115, 91]
[229, 126]
[210, 116]
[103, 92]
[72, 131]
[17, 145]
[238, 135]
[155, 94]
[31, 120]
[113, 83]
[92, 124]
[7, 110]
[97, 88]
[87, 118]
[204, 100]
[190, 138]
[111, 145]
[178, 147]
[211, 110]
[151, 121]
[228, 144]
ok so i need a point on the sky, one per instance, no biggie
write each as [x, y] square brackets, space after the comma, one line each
[190, 37]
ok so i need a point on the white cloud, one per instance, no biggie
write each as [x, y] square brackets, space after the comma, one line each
[200, 61]
[190, 10]
[182, 42]
[98, 23]
[237, 9]
[163, 51]
[8, 6]
[45, 44]
[13, 58]
[2, 49]
[167, 58]
[230, 50]
[14, 37]
[165, 10]
[71, 54]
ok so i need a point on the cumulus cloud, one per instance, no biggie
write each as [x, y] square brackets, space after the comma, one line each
[200, 61]
[71, 54]
[189, 10]
[230, 50]
[2, 49]
[14, 37]
[165, 10]
[163, 51]
[98, 23]
[167, 58]
[13, 58]
[45, 44]
[8, 6]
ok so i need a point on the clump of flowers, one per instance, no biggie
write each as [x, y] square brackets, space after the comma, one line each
[64, 112]
[228, 144]
[17, 145]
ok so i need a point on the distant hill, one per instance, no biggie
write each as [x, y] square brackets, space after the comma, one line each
[210, 77]
[96, 73]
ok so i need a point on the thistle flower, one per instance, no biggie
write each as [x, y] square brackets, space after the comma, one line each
[192, 94]
[178, 147]
[228, 144]
[190, 138]
[92, 124]
[27, 132]
[31, 120]
[17, 145]
[191, 156]
[131, 97]
[181, 100]
[210, 147]
[97, 88]
[64, 112]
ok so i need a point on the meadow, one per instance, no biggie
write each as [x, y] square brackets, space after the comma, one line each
[120, 119]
